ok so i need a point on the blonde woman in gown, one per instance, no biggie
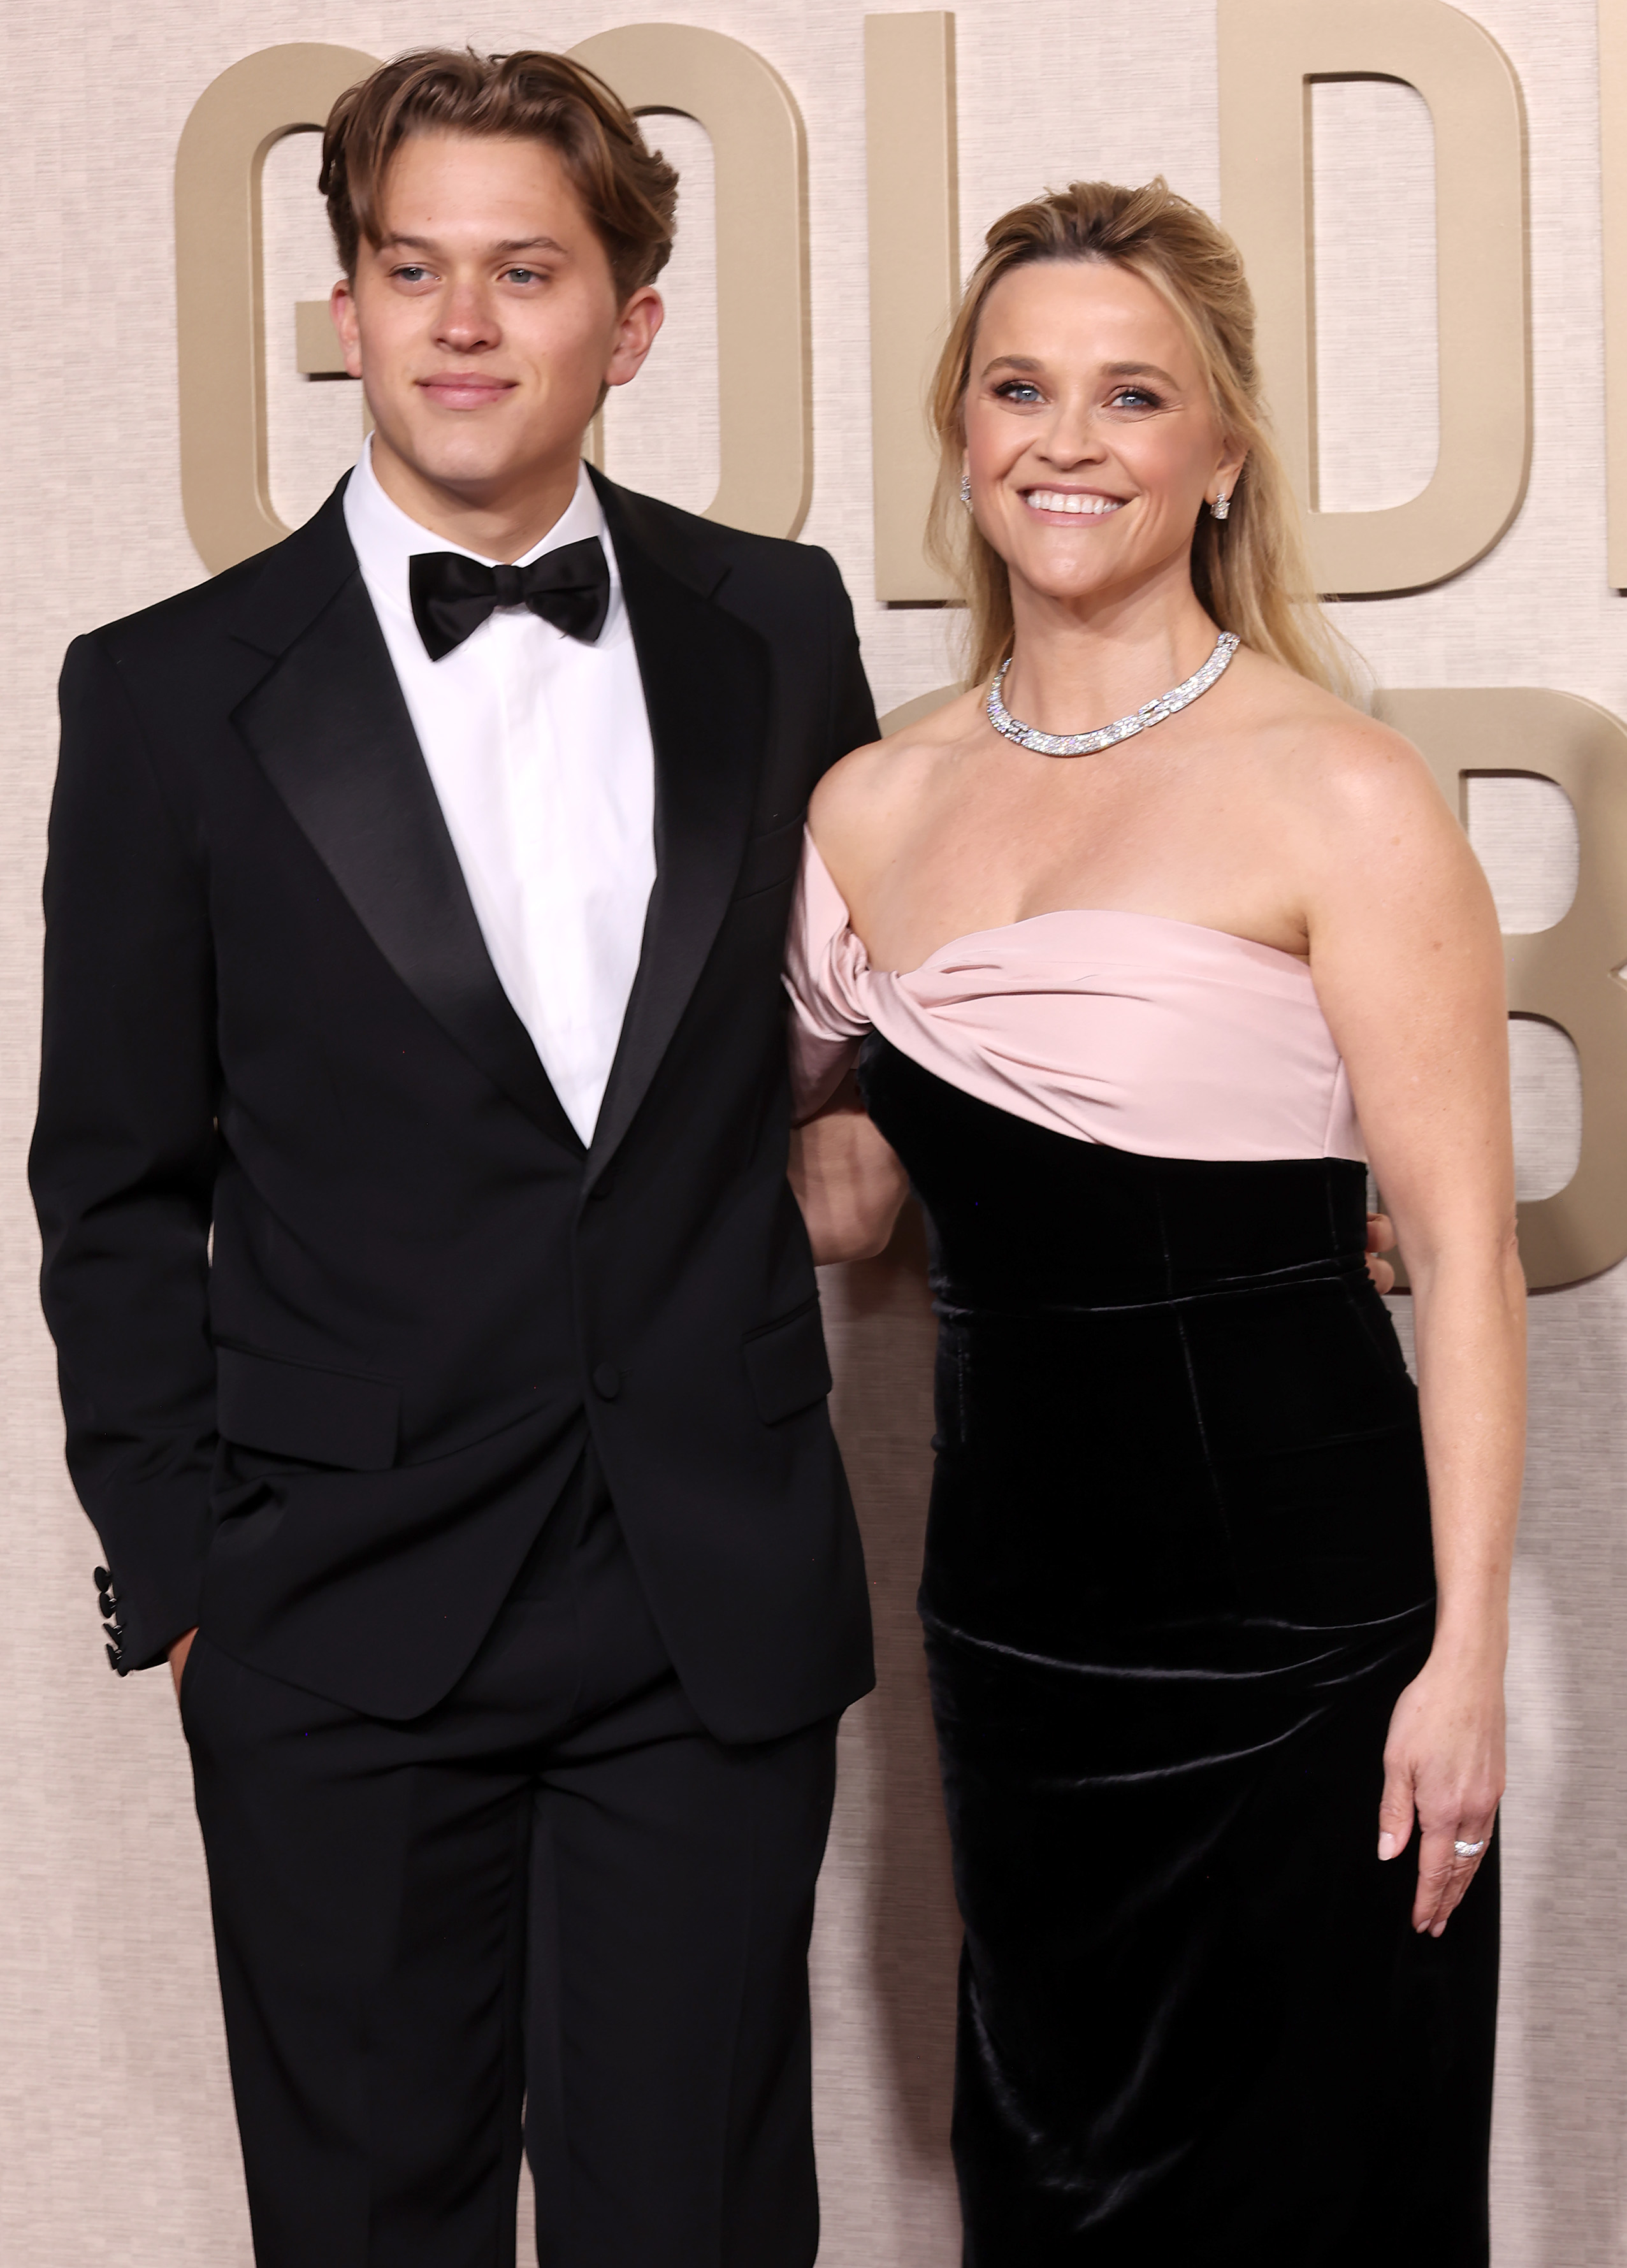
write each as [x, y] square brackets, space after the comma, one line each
[1215, 1602]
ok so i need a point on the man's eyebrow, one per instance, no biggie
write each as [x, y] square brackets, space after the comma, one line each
[397, 241]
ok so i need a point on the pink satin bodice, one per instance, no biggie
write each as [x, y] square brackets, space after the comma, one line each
[1150, 1034]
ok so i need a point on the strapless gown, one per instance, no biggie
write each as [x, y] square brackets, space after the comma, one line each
[1178, 1569]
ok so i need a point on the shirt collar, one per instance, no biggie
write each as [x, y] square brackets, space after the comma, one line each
[385, 537]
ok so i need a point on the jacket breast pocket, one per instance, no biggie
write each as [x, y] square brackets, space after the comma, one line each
[770, 860]
[787, 1365]
[292, 1409]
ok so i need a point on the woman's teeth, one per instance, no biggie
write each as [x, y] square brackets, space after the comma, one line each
[1084, 507]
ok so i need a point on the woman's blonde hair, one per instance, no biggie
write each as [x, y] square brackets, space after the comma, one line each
[1249, 570]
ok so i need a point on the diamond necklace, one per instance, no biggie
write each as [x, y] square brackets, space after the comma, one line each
[1086, 744]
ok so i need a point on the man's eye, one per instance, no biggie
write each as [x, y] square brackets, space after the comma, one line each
[409, 274]
[523, 274]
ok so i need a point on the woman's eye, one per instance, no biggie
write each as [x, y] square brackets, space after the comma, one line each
[1017, 389]
[1133, 397]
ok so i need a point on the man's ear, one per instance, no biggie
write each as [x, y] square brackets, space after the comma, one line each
[341, 307]
[639, 321]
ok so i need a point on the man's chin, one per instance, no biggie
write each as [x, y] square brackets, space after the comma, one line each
[477, 466]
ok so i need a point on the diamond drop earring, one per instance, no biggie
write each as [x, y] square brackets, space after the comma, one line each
[965, 490]
[1221, 506]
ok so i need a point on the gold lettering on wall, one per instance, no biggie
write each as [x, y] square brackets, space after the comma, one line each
[1270, 52]
[219, 286]
[765, 409]
[1566, 973]
[914, 258]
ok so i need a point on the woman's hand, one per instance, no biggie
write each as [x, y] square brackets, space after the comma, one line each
[1444, 1761]
[847, 1180]
[1380, 1240]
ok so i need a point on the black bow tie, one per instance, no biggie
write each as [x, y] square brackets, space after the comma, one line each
[453, 596]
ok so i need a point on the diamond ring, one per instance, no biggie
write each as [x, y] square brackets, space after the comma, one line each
[1469, 1850]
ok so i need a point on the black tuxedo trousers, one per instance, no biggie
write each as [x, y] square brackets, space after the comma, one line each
[554, 1889]
[341, 1304]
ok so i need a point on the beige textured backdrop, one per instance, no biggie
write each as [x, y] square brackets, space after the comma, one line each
[116, 2139]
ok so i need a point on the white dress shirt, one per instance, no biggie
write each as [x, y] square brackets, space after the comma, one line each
[539, 749]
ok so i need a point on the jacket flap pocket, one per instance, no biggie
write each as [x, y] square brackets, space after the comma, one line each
[321, 1416]
[787, 1365]
[770, 859]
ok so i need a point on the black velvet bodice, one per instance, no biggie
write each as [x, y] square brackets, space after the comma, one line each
[1023, 1218]
[1179, 1369]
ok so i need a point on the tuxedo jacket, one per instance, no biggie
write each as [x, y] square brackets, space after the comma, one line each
[337, 1293]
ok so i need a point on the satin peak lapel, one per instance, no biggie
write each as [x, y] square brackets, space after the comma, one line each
[331, 730]
[706, 686]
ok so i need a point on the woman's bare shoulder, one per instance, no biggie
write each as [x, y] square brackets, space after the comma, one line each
[1356, 811]
[1334, 758]
[864, 796]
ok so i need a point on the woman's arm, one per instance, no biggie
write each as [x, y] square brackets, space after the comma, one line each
[1409, 967]
[847, 1180]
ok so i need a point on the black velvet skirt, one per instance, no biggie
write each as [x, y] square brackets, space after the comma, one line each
[1178, 1570]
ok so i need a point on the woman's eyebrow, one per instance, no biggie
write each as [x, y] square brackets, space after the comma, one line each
[1108, 370]
[1136, 370]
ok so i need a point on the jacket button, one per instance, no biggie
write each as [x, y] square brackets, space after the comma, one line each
[607, 1380]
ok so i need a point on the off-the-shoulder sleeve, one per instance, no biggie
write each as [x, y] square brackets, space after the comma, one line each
[825, 974]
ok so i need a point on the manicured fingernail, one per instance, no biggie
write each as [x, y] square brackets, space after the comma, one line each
[1387, 1846]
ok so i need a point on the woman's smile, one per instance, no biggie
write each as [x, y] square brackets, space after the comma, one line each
[1071, 504]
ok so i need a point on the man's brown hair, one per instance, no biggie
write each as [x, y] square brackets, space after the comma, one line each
[629, 192]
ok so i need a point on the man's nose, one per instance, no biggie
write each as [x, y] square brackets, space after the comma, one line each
[468, 320]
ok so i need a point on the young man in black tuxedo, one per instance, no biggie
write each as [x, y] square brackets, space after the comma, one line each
[415, 905]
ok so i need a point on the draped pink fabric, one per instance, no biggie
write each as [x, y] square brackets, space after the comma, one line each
[1150, 1034]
